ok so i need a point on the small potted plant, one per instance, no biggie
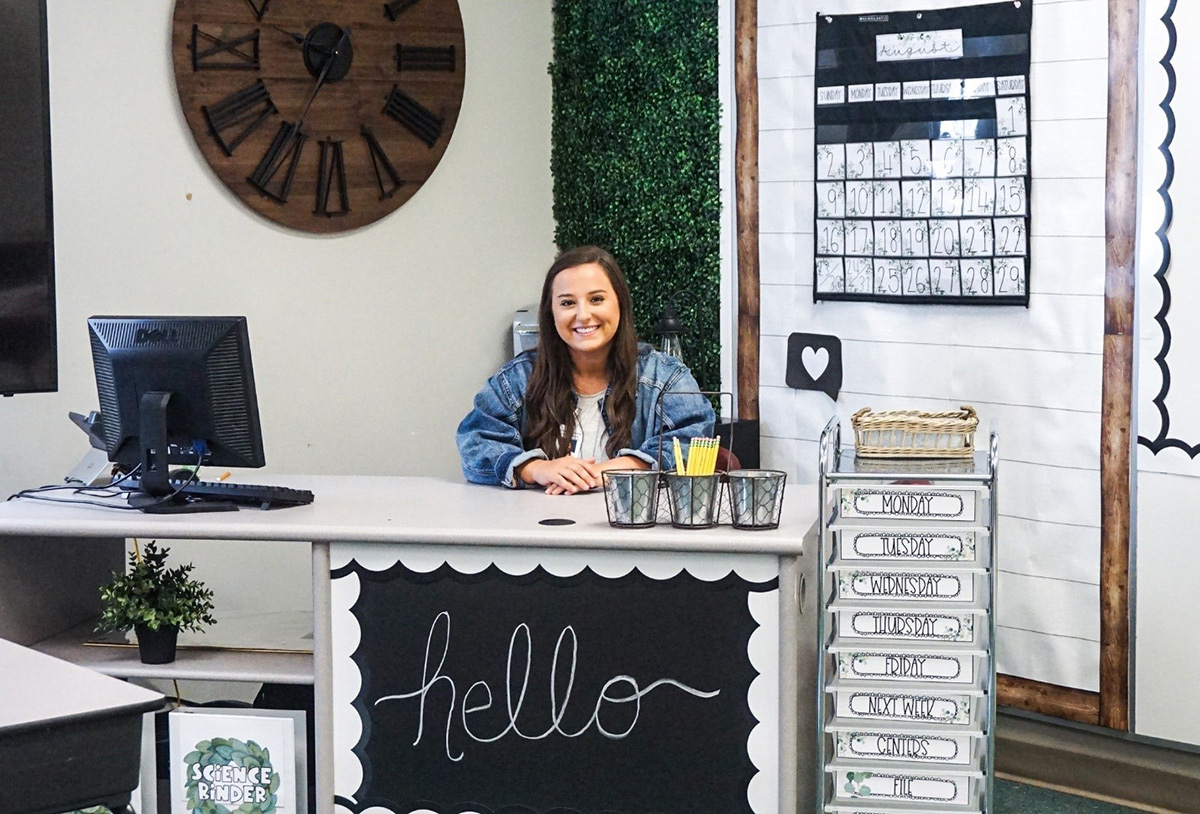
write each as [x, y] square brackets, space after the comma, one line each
[157, 602]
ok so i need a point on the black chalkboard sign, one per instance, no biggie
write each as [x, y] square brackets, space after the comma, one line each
[542, 694]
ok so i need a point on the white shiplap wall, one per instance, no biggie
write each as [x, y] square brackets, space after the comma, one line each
[1168, 483]
[1034, 374]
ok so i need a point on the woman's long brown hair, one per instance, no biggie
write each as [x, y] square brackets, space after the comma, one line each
[549, 405]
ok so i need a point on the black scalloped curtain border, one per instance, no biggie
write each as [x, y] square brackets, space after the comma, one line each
[1163, 440]
[536, 575]
[635, 156]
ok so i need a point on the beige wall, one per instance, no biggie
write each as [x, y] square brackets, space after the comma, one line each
[367, 348]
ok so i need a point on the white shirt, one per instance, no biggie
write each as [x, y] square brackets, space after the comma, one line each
[590, 437]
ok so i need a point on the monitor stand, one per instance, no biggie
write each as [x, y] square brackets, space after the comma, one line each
[154, 479]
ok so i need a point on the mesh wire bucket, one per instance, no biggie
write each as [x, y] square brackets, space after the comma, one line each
[693, 500]
[756, 498]
[631, 497]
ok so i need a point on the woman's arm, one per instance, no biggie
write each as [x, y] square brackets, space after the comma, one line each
[489, 437]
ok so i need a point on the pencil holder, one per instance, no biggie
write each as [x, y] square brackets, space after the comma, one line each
[693, 500]
[631, 497]
[756, 498]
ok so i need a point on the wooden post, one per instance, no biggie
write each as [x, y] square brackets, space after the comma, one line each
[745, 84]
[1116, 436]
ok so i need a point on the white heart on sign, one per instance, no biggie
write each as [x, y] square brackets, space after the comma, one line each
[814, 361]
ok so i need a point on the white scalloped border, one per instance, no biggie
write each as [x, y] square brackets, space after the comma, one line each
[763, 695]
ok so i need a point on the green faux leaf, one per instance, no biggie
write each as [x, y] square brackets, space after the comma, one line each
[635, 156]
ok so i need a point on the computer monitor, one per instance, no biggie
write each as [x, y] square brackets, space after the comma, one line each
[175, 390]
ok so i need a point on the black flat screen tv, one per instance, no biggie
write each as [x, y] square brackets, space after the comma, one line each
[28, 332]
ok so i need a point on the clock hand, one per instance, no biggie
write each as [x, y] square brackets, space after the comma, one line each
[299, 38]
[341, 43]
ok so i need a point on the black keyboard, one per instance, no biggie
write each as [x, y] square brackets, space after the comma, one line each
[249, 494]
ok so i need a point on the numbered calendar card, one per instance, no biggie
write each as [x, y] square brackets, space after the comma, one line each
[922, 156]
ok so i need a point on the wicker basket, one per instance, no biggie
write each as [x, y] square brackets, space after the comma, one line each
[914, 434]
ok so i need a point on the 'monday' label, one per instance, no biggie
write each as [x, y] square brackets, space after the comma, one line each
[908, 504]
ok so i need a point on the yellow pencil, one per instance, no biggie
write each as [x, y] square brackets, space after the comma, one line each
[678, 457]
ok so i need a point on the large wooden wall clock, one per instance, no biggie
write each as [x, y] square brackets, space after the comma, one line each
[322, 115]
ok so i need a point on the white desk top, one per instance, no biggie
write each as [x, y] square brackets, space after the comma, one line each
[36, 689]
[420, 510]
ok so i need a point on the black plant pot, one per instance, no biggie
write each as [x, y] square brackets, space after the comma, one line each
[157, 646]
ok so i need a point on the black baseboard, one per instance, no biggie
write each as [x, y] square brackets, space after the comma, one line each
[1094, 761]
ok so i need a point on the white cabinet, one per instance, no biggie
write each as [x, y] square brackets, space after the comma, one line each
[906, 632]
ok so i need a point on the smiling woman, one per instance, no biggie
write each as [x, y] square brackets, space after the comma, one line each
[588, 398]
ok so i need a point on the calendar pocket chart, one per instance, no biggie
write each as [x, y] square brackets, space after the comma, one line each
[922, 156]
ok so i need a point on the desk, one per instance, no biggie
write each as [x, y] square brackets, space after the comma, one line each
[69, 737]
[421, 515]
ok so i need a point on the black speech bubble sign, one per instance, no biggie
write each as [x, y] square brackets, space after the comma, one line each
[814, 362]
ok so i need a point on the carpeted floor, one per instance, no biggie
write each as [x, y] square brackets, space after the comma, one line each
[1018, 798]
[1011, 798]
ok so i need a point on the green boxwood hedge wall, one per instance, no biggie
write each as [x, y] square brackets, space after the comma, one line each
[635, 155]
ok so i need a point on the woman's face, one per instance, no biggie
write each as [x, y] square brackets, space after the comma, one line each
[586, 310]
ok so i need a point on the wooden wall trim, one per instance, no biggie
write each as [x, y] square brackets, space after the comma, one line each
[1048, 699]
[745, 83]
[1116, 422]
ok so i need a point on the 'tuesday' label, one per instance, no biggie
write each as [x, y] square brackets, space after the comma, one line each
[948, 627]
[954, 749]
[947, 709]
[957, 669]
[902, 545]
[932, 585]
[932, 788]
[908, 504]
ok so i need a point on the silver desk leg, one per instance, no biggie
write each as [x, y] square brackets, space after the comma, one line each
[323, 676]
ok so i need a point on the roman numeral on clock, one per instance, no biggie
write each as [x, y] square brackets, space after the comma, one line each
[259, 8]
[411, 115]
[397, 7]
[210, 52]
[284, 149]
[331, 172]
[238, 115]
[424, 58]
[386, 176]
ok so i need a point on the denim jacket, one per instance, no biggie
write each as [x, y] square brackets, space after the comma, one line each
[490, 441]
